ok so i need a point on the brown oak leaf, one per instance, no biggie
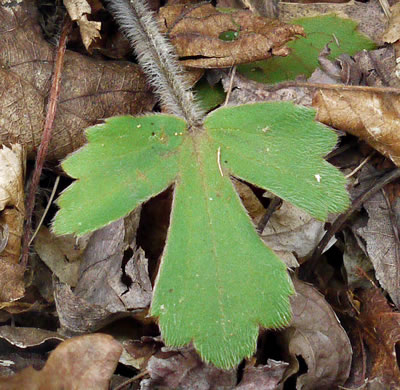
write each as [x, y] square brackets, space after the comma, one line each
[91, 89]
[207, 37]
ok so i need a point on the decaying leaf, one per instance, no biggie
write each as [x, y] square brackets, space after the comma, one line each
[208, 37]
[392, 33]
[379, 328]
[370, 116]
[110, 282]
[293, 230]
[382, 246]
[62, 256]
[316, 334]
[184, 370]
[78, 11]
[265, 377]
[91, 89]
[81, 363]
[12, 214]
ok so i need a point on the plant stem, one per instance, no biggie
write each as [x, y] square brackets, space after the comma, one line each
[157, 58]
[46, 136]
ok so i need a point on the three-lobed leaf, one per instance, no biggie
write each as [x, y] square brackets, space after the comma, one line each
[217, 281]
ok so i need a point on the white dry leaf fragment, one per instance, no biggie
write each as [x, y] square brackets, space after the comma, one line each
[12, 169]
[316, 334]
[12, 209]
[293, 230]
[78, 11]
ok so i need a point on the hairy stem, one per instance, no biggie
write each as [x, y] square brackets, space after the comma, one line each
[157, 58]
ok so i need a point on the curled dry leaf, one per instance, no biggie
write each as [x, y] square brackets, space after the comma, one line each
[108, 284]
[91, 89]
[266, 377]
[207, 37]
[382, 245]
[372, 117]
[316, 334]
[78, 11]
[12, 212]
[81, 363]
[184, 370]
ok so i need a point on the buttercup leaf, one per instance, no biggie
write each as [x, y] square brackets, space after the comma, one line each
[217, 281]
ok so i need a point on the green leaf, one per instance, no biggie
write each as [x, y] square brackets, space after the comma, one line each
[217, 281]
[303, 59]
[209, 97]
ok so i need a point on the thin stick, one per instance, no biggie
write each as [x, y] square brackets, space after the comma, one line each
[355, 170]
[46, 136]
[341, 87]
[131, 380]
[219, 161]
[228, 93]
[53, 193]
[338, 223]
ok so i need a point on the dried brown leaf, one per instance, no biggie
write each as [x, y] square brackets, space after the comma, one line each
[109, 282]
[372, 117]
[196, 34]
[316, 334]
[61, 255]
[392, 33]
[27, 337]
[379, 328]
[266, 377]
[186, 371]
[81, 363]
[91, 89]
[382, 246]
[12, 213]
[78, 11]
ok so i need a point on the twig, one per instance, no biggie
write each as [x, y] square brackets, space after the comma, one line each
[341, 87]
[273, 205]
[46, 136]
[309, 266]
[131, 380]
[53, 193]
[355, 170]
[228, 92]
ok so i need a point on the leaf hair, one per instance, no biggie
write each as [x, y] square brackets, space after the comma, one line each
[157, 58]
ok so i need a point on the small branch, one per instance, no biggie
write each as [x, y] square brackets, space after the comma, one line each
[273, 205]
[131, 380]
[309, 266]
[46, 136]
[341, 87]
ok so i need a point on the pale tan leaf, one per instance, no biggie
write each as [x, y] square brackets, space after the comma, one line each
[372, 117]
[81, 363]
[78, 11]
[12, 214]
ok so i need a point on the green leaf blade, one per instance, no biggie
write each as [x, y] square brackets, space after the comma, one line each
[127, 161]
[218, 281]
[303, 59]
[280, 147]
